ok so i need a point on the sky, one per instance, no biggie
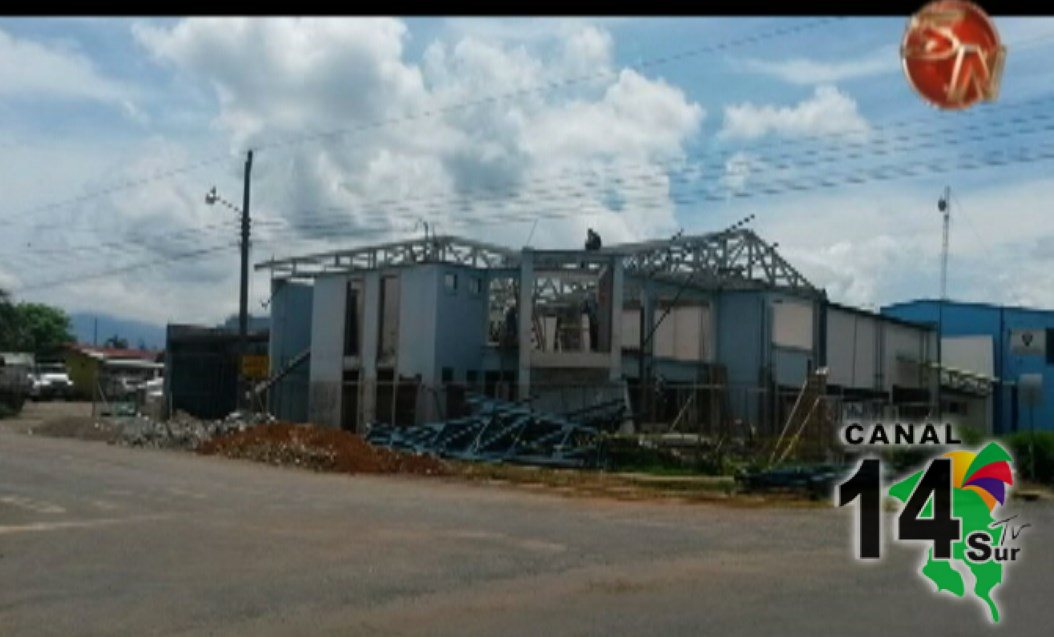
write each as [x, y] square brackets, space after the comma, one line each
[512, 131]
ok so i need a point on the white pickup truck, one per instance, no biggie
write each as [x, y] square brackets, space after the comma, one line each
[49, 382]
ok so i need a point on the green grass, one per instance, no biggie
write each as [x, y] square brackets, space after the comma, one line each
[1029, 452]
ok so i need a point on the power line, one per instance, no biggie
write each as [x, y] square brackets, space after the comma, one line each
[315, 136]
[142, 265]
[960, 212]
[532, 198]
[832, 156]
[789, 159]
[885, 174]
[431, 112]
[563, 83]
[130, 184]
[65, 254]
[837, 153]
[650, 178]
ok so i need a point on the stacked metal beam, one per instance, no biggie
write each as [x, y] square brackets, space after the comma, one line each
[502, 431]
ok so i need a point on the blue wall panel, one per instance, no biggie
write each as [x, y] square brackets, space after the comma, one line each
[975, 319]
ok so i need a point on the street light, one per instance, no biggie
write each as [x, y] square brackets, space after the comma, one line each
[212, 198]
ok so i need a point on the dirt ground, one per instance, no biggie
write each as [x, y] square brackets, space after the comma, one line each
[100, 539]
[321, 449]
[61, 419]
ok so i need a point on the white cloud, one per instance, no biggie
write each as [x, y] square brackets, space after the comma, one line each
[489, 143]
[807, 71]
[29, 69]
[284, 74]
[445, 151]
[526, 30]
[1014, 30]
[8, 279]
[874, 245]
[151, 228]
[739, 169]
[599, 150]
[828, 112]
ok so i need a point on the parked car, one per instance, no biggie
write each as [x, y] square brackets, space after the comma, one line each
[50, 382]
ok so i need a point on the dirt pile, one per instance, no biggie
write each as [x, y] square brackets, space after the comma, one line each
[318, 448]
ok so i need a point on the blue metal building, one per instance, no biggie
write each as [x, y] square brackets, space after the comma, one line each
[1020, 344]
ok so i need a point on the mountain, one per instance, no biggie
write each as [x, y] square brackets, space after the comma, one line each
[83, 326]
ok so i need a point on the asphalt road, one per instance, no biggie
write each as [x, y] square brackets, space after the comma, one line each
[103, 540]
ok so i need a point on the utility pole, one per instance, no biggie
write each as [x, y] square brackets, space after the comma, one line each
[243, 306]
[212, 198]
[944, 205]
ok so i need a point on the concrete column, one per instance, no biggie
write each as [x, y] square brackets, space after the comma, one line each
[616, 319]
[371, 316]
[647, 317]
[327, 350]
[712, 341]
[525, 312]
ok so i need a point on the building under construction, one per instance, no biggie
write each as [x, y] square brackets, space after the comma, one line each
[714, 332]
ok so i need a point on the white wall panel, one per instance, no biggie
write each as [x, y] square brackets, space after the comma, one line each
[792, 324]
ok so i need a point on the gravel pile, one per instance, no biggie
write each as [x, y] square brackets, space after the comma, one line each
[260, 438]
[183, 431]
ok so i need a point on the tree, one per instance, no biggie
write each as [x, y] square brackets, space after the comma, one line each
[116, 342]
[10, 332]
[44, 330]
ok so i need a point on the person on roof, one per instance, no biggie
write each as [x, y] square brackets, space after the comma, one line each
[592, 240]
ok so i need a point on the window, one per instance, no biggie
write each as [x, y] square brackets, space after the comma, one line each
[1050, 346]
[501, 311]
[448, 374]
[450, 282]
[792, 325]
[389, 319]
[352, 318]
[475, 285]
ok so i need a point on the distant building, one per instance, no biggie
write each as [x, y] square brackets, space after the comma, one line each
[109, 371]
[255, 324]
[202, 368]
[1008, 353]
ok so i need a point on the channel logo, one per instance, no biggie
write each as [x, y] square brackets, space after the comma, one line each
[954, 503]
[952, 54]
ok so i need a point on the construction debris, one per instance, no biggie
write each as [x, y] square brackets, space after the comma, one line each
[502, 431]
[318, 448]
[816, 480]
[183, 431]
